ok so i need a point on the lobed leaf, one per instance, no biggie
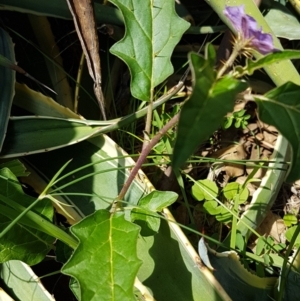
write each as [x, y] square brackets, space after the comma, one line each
[108, 247]
[152, 30]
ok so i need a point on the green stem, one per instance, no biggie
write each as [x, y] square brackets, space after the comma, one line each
[235, 52]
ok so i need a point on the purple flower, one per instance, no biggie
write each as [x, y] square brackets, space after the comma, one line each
[246, 27]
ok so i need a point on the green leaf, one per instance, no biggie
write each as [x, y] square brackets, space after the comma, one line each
[290, 219]
[228, 122]
[149, 222]
[157, 200]
[269, 59]
[16, 167]
[282, 21]
[31, 135]
[27, 135]
[239, 113]
[203, 113]
[152, 31]
[267, 259]
[59, 9]
[21, 283]
[108, 248]
[7, 82]
[153, 202]
[281, 108]
[289, 234]
[212, 207]
[22, 243]
[234, 190]
[240, 242]
[260, 245]
[205, 189]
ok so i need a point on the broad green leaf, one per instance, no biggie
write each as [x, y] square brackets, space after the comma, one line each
[149, 222]
[97, 172]
[22, 243]
[34, 134]
[289, 234]
[59, 9]
[269, 59]
[233, 191]
[16, 167]
[282, 21]
[156, 200]
[21, 282]
[212, 207]
[205, 190]
[281, 108]
[290, 219]
[153, 202]
[152, 31]
[169, 267]
[40, 104]
[105, 262]
[203, 113]
[28, 134]
[7, 82]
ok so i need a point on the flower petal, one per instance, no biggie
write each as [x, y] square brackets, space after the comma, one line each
[247, 29]
[249, 25]
[262, 42]
[235, 14]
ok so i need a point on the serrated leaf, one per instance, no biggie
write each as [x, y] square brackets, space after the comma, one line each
[203, 113]
[205, 189]
[281, 108]
[22, 243]
[152, 31]
[108, 247]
